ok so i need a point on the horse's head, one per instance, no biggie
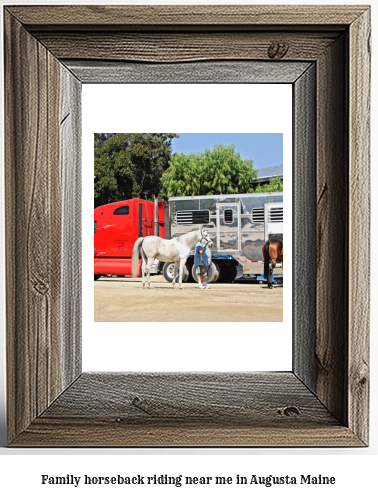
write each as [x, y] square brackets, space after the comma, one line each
[205, 238]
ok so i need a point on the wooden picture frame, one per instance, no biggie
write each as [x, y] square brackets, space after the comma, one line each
[324, 52]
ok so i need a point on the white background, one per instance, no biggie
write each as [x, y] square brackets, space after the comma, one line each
[185, 346]
[355, 469]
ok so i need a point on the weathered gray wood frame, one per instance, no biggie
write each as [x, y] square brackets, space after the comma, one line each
[49, 53]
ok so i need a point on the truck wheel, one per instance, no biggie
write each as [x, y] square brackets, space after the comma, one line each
[97, 276]
[228, 274]
[168, 270]
[212, 275]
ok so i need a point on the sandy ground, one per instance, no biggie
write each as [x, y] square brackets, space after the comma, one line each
[124, 299]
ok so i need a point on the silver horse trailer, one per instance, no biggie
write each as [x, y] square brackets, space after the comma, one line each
[238, 226]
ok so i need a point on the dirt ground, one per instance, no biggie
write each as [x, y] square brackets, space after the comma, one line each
[124, 299]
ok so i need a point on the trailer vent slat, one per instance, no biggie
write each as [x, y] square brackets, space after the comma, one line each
[228, 216]
[185, 218]
[258, 214]
[276, 214]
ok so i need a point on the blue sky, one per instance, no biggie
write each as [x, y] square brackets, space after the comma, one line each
[266, 150]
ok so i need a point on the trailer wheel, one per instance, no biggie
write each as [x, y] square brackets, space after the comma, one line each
[215, 268]
[168, 270]
[212, 275]
[97, 276]
[228, 274]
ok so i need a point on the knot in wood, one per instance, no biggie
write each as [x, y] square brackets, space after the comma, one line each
[288, 411]
[136, 400]
[278, 50]
[41, 287]
[363, 381]
[362, 375]
[140, 404]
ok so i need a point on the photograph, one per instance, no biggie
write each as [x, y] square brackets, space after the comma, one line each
[192, 211]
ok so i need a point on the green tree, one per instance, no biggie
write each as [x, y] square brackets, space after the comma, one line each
[127, 165]
[100, 139]
[275, 185]
[217, 171]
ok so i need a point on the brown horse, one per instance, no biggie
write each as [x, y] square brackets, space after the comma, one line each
[272, 252]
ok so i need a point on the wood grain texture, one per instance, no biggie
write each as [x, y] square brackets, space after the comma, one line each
[100, 432]
[180, 47]
[197, 409]
[184, 16]
[199, 72]
[32, 187]
[34, 241]
[359, 229]
[70, 161]
[304, 224]
[331, 351]
[324, 402]
[243, 397]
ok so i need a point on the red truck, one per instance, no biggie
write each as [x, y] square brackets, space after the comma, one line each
[116, 228]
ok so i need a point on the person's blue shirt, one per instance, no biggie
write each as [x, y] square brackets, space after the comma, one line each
[205, 261]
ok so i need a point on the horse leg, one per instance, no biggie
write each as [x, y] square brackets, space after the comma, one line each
[266, 256]
[174, 276]
[175, 273]
[148, 269]
[270, 285]
[143, 271]
[182, 263]
[272, 266]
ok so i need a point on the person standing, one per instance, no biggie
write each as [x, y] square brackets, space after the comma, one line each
[202, 261]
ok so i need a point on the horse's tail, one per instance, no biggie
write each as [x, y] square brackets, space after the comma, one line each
[135, 256]
[266, 259]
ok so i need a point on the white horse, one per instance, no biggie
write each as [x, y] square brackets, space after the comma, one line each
[175, 250]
